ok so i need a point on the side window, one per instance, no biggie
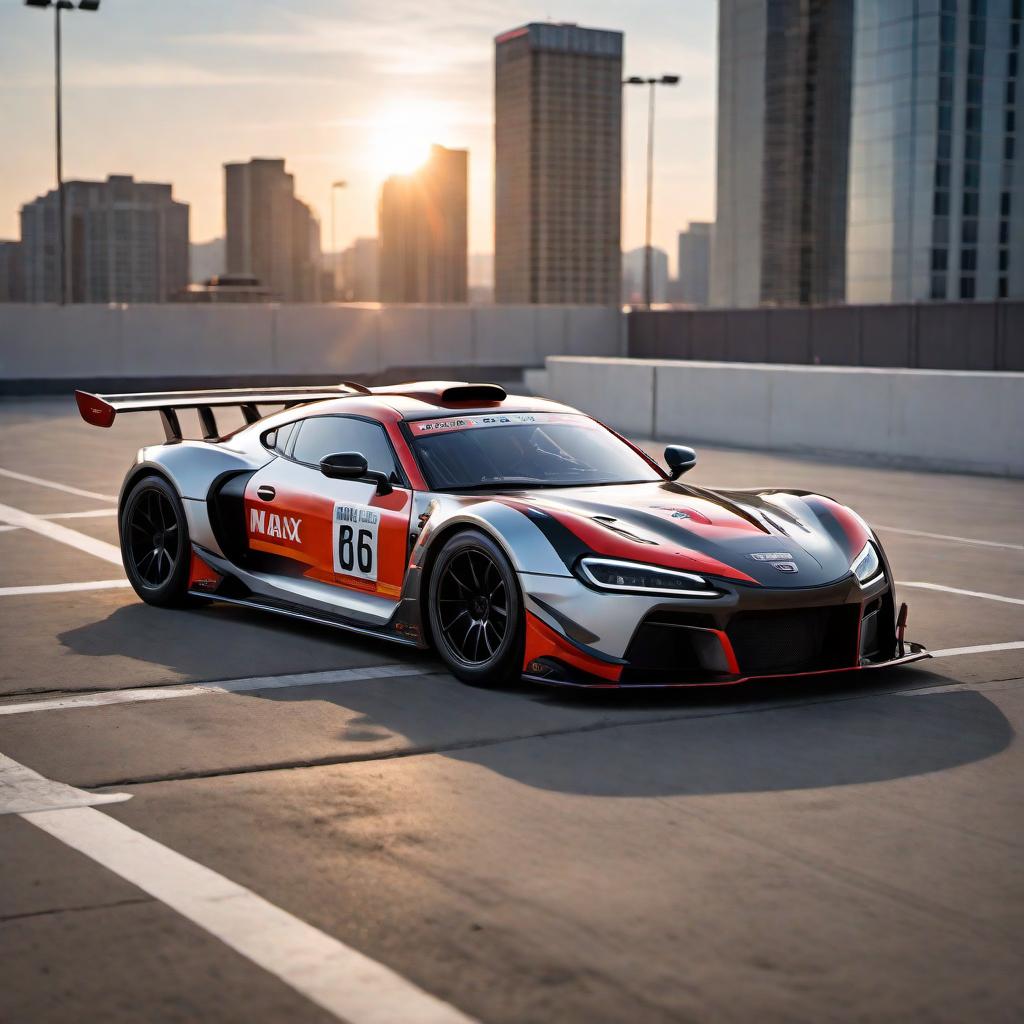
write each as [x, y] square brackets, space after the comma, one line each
[277, 440]
[329, 435]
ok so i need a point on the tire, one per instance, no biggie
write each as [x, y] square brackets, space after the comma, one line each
[472, 585]
[155, 544]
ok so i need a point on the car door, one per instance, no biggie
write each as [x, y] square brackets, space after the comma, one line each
[338, 532]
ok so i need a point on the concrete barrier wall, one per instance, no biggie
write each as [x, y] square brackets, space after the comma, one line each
[43, 346]
[932, 335]
[960, 421]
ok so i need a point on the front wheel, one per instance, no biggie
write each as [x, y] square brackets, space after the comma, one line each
[475, 611]
[155, 545]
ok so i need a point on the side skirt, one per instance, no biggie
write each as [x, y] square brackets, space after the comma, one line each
[305, 616]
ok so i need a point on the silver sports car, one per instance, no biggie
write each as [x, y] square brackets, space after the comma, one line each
[516, 536]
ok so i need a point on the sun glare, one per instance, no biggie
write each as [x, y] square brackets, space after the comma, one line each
[403, 137]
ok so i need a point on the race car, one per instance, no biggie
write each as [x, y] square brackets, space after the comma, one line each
[516, 536]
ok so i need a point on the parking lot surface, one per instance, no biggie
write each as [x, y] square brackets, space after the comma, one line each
[222, 816]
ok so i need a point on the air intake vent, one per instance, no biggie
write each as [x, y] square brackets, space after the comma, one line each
[474, 393]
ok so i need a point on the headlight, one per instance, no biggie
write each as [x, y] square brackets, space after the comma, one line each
[867, 566]
[611, 574]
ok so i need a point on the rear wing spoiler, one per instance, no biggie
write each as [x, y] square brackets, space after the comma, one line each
[101, 410]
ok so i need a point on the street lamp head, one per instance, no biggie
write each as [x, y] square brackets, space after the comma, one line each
[634, 80]
[669, 80]
[65, 5]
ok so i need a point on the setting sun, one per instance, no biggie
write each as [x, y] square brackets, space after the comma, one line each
[403, 137]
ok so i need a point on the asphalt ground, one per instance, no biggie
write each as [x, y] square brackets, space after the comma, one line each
[381, 843]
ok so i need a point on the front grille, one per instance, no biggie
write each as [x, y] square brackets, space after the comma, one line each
[794, 640]
[667, 651]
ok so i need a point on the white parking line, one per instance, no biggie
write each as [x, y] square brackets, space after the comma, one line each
[962, 593]
[950, 537]
[63, 534]
[953, 652]
[53, 485]
[343, 981]
[23, 790]
[63, 588]
[95, 513]
[135, 696]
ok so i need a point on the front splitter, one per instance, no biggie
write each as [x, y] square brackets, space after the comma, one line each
[912, 652]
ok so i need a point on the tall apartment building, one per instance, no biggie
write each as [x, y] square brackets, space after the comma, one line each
[125, 241]
[558, 164]
[270, 233]
[423, 231]
[694, 264]
[936, 164]
[633, 275]
[12, 285]
[784, 85]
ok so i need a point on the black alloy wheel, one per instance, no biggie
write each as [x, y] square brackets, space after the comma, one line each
[475, 611]
[155, 543]
[153, 537]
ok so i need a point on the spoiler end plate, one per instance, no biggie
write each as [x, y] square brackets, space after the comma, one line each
[94, 409]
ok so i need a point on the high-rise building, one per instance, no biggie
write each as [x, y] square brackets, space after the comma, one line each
[271, 234]
[694, 264]
[633, 275]
[12, 284]
[360, 271]
[423, 231]
[558, 164]
[784, 84]
[936, 172]
[125, 241]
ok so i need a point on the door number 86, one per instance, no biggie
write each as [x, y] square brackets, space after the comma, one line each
[355, 546]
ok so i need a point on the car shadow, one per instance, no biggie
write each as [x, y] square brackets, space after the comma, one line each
[741, 740]
[786, 734]
[222, 641]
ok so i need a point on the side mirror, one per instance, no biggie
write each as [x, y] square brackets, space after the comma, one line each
[679, 460]
[343, 466]
[352, 466]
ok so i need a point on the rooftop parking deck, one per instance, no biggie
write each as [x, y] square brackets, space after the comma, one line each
[834, 849]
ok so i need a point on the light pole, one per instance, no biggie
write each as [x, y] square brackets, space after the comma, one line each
[335, 185]
[58, 6]
[650, 83]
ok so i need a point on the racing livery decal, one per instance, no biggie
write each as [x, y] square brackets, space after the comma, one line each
[270, 524]
[419, 428]
[355, 540]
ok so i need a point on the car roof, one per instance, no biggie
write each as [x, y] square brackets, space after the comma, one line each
[417, 400]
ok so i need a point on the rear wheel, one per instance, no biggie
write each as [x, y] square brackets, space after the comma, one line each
[475, 611]
[155, 545]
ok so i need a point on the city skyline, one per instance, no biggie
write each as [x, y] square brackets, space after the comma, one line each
[177, 93]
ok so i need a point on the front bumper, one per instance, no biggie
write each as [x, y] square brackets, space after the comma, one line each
[754, 633]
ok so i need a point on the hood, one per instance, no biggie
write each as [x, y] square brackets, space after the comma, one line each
[778, 538]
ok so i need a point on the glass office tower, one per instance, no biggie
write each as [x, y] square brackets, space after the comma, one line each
[784, 88]
[936, 204]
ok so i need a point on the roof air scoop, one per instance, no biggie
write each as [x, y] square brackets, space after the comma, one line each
[474, 393]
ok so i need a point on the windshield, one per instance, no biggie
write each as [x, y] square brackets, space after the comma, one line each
[510, 450]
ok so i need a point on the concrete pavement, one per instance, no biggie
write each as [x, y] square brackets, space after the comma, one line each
[829, 850]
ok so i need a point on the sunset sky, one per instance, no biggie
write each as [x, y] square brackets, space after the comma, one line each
[169, 91]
